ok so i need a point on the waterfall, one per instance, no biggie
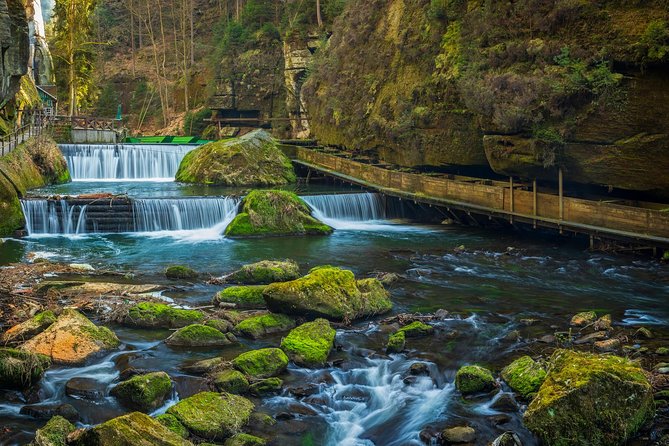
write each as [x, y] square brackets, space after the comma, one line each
[347, 211]
[53, 217]
[124, 162]
[179, 214]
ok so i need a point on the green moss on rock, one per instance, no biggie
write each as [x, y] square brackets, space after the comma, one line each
[524, 375]
[54, 432]
[156, 315]
[180, 272]
[474, 379]
[259, 326]
[396, 342]
[198, 335]
[213, 416]
[252, 160]
[171, 422]
[266, 272]
[262, 363]
[244, 440]
[21, 369]
[309, 344]
[417, 329]
[231, 381]
[144, 392]
[590, 399]
[245, 297]
[222, 325]
[331, 293]
[27, 329]
[583, 318]
[266, 386]
[135, 428]
[274, 213]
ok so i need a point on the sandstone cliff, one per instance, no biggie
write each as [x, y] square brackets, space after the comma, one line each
[14, 47]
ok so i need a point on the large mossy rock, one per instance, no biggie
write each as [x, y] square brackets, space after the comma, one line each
[329, 292]
[72, 339]
[272, 213]
[54, 432]
[198, 335]
[156, 315]
[524, 375]
[474, 379]
[134, 429]
[144, 392]
[262, 363]
[592, 400]
[266, 272]
[231, 381]
[244, 297]
[213, 416]
[266, 324]
[20, 369]
[309, 344]
[252, 160]
[27, 329]
[180, 272]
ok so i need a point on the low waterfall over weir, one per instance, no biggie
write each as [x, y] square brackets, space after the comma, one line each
[54, 217]
[364, 211]
[124, 162]
[179, 214]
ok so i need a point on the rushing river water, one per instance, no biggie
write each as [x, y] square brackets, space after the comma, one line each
[491, 288]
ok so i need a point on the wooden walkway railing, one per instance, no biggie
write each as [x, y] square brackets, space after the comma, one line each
[38, 125]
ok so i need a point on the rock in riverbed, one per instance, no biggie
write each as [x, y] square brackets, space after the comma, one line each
[26, 330]
[265, 272]
[144, 392]
[474, 379]
[524, 375]
[20, 369]
[135, 428]
[262, 363]
[266, 324]
[309, 344]
[54, 432]
[157, 315]
[244, 297]
[198, 335]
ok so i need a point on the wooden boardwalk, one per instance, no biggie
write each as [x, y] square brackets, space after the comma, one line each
[509, 202]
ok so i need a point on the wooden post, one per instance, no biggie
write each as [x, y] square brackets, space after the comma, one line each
[561, 192]
[534, 201]
[511, 189]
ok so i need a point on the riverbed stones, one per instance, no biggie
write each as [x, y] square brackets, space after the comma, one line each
[54, 432]
[180, 272]
[474, 379]
[144, 392]
[198, 335]
[265, 272]
[603, 323]
[608, 345]
[213, 416]
[243, 297]
[309, 344]
[27, 329]
[135, 428]
[590, 399]
[584, 318]
[157, 315]
[524, 375]
[84, 387]
[458, 435]
[20, 369]
[231, 381]
[272, 213]
[72, 339]
[331, 293]
[262, 363]
[252, 160]
[263, 325]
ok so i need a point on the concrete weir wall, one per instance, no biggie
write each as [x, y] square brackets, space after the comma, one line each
[94, 136]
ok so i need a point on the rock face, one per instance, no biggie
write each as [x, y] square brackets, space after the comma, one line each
[252, 160]
[590, 400]
[14, 46]
[20, 369]
[274, 213]
[144, 392]
[309, 344]
[213, 416]
[331, 293]
[266, 272]
[154, 315]
[72, 339]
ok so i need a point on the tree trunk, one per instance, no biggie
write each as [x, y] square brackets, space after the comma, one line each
[318, 14]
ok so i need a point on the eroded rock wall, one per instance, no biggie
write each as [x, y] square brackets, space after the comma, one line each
[14, 47]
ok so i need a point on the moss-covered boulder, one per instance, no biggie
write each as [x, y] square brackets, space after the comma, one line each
[231, 381]
[583, 318]
[266, 272]
[266, 324]
[309, 344]
[180, 272]
[198, 335]
[171, 422]
[266, 386]
[27, 329]
[206, 366]
[213, 416]
[262, 363]
[417, 329]
[329, 292]
[144, 392]
[136, 429]
[244, 297]
[244, 440]
[271, 213]
[221, 325]
[474, 379]
[590, 399]
[252, 160]
[72, 339]
[524, 375]
[396, 342]
[54, 432]
[156, 315]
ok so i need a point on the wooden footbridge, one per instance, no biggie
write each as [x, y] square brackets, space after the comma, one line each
[481, 201]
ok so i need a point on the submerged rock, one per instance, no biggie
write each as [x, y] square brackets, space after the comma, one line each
[54, 433]
[329, 292]
[590, 400]
[245, 297]
[259, 326]
[20, 369]
[262, 363]
[231, 381]
[266, 272]
[171, 422]
[135, 428]
[179, 272]
[156, 315]
[26, 330]
[213, 416]
[252, 160]
[474, 379]
[274, 213]
[72, 339]
[524, 375]
[144, 392]
[198, 335]
[309, 344]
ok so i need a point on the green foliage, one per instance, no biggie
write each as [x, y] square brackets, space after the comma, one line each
[655, 42]
[449, 62]
[194, 123]
[596, 79]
